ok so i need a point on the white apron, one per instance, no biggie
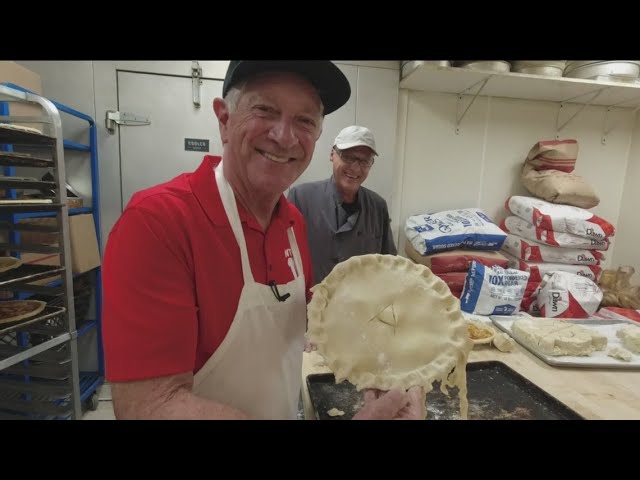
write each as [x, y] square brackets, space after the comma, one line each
[256, 368]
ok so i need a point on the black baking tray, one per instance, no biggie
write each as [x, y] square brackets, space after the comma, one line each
[495, 392]
[28, 272]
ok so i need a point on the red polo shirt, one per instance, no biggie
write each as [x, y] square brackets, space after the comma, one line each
[172, 274]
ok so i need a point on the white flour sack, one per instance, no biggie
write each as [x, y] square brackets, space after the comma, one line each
[493, 290]
[531, 251]
[566, 295]
[527, 230]
[468, 228]
[560, 218]
[539, 269]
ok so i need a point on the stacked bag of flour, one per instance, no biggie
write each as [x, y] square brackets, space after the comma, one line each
[448, 242]
[547, 173]
[461, 247]
[556, 239]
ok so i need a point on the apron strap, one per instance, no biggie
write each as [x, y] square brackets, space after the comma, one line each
[231, 209]
[296, 251]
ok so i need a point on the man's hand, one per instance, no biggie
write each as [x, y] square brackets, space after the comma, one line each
[167, 398]
[392, 405]
[308, 346]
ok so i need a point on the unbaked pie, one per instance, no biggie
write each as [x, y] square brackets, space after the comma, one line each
[385, 322]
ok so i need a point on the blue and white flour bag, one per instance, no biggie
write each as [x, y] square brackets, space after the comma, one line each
[468, 228]
[493, 290]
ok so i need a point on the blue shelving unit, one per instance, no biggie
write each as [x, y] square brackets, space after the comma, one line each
[72, 211]
[89, 381]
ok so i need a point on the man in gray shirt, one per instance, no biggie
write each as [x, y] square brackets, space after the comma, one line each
[343, 218]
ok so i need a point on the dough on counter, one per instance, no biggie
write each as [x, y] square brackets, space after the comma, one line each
[504, 342]
[334, 412]
[557, 337]
[480, 332]
[620, 354]
[384, 322]
[319, 363]
[630, 336]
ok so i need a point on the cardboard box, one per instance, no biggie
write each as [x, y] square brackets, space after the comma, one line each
[84, 243]
[85, 254]
[17, 74]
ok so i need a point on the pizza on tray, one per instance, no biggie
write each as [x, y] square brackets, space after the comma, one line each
[20, 128]
[14, 310]
[9, 263]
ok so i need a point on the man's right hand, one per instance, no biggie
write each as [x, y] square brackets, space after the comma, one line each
[393, 405]
[309, 347]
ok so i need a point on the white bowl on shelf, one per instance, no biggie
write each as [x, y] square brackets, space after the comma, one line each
[499, 66]
[614, 70]
[547, 68]
[408, 66]
[437, 63]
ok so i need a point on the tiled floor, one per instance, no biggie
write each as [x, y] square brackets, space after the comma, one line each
[105, 407]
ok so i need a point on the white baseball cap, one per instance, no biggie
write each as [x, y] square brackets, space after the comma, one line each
[355, 136]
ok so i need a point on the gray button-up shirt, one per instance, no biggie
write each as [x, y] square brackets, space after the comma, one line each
[334, 238]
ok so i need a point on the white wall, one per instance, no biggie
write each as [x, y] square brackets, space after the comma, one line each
[480, 166]
[628, 234]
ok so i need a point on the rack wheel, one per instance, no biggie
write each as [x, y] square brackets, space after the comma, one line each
[93, 402]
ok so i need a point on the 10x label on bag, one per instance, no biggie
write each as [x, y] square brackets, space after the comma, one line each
[493, 290]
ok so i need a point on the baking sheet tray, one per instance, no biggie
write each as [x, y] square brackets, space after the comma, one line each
[27, 323]
[598, 359]
[28, 272]
[9, 159]
[495, 392]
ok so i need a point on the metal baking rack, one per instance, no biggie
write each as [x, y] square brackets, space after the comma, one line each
[39, 375]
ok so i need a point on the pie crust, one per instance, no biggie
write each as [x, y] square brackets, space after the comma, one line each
[384, 322]
[14, 310]
[9, 263]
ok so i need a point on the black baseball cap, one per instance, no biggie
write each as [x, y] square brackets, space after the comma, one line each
[333, 87]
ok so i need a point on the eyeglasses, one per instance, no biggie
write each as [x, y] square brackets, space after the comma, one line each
[351, 159]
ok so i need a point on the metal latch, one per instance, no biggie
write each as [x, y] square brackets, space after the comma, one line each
[120, 118]
[196, 81]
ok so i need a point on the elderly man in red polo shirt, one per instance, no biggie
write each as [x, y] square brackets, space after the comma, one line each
[206, 277]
